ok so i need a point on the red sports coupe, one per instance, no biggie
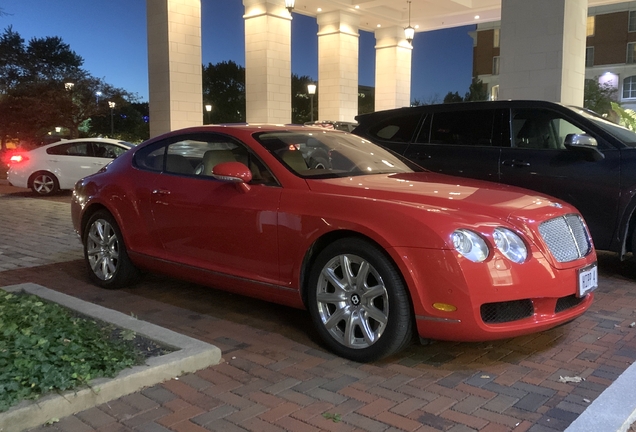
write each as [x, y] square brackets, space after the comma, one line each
[371, 244]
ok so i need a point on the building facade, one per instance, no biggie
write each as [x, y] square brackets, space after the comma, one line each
[610, 54]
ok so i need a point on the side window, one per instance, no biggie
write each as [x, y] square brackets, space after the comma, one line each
[466, 128]
[541, 129]
[79, 149]
[61, 149]
[398, 129]
[105, 150]
[197, 155]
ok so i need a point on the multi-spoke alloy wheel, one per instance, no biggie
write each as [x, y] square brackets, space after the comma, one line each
[102, 249]
[105, 252]
[352, 301]
[44, 184]
[358, 301]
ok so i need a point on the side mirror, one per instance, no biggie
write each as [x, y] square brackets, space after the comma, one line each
[586, 144]
[233, 172]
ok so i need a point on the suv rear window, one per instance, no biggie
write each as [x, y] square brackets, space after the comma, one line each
[397, 129]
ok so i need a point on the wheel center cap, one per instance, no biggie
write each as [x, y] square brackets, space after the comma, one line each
[355, 299]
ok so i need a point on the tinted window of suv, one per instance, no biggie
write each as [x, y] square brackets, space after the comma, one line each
[397, 129]
[470, 128]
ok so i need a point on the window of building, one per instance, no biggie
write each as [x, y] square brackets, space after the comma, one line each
[631, 52]
[589, 56]
[494, 93]
[495, 42]
[629, 87]
[591, 22]
[495, 65]
[632, 21]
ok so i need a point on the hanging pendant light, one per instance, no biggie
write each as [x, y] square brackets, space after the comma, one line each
[289, 4]
[409, 32]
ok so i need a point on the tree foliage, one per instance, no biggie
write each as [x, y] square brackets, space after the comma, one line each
[477, 91]
[599, 97]
[224, 89]
[43, 87]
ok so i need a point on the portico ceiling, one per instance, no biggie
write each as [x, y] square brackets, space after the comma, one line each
[425, 14]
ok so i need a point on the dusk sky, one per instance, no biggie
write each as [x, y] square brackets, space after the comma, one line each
[111, 37]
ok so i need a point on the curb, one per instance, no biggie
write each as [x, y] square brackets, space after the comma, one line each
[191, 355]
[614, 410]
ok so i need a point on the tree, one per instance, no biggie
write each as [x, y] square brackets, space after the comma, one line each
[224, 89]
[477, 91]
[453, 97]
[301, 101]
[599, 97]
[43, 86]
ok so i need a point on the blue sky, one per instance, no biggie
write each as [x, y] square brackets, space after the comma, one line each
[111, 37]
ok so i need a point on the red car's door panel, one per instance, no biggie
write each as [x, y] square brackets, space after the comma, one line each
[217, 226]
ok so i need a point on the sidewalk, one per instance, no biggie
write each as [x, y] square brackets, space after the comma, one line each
[276, 377]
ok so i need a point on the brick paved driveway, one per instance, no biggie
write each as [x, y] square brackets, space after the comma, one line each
[277, 377]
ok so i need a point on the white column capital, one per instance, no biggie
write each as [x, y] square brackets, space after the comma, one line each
[338, 22]
[275, 8]
[390, 37]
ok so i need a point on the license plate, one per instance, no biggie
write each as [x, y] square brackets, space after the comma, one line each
[588, 280]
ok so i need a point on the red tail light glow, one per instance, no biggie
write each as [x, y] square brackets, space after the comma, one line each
[17, 158]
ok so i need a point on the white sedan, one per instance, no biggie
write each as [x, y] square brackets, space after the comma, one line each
[58, 166]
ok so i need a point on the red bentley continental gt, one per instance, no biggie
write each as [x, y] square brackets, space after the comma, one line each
[372, 245]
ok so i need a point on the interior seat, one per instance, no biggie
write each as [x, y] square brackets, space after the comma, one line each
[211, 158]
[295, 160]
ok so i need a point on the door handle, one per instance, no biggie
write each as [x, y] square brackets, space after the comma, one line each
[515, 163]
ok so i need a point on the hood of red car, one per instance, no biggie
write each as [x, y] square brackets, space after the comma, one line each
[443, 191]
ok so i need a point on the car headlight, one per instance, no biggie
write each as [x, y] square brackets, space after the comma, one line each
[510, 245]
[470, 245]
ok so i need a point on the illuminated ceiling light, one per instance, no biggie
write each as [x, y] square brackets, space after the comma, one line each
[319, 10]
[476, 16]
[289, 4]
[409, 32]
[379, 25]
[357, 6]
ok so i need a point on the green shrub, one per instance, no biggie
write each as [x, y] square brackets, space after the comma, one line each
[46, 348]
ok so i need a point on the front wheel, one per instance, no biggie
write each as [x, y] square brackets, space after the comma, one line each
[105, 253]
[358, 302]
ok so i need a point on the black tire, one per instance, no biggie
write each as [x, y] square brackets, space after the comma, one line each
[44, 183]
[345, 313]
[105, 253]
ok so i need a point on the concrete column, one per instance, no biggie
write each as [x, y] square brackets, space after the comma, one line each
[338, 66]
[543, 50]
[267, 61]
[174, 64]
[392, 69]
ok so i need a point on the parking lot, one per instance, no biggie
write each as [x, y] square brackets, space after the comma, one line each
[276, 376]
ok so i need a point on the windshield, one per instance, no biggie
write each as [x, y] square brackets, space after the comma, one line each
[327, 154]
[624, 135]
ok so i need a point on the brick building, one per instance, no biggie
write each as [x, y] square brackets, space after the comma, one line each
[610, 55]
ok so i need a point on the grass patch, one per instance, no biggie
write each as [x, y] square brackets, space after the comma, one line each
[45, 347]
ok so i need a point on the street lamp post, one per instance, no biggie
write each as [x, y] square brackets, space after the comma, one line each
[311, 89]
[111, 104]
[97, 96]
[208, 110]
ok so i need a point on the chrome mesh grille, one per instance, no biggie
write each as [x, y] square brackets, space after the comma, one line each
[566, 237]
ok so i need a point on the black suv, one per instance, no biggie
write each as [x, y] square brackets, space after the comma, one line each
[569, 153]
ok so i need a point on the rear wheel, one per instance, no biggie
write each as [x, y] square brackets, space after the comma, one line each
[105, 253]
[358, 302]
[44, 183]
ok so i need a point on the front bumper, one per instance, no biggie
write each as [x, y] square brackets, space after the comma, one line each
[495, 299]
